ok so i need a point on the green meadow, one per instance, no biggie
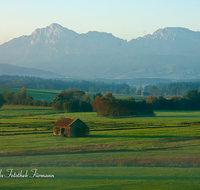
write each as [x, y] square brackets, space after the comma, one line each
[37, 94]
[109, 178]
[159, 152]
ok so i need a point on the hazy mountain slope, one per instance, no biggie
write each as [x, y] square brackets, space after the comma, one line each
[124, 67]
[168, 52]
[7, 69]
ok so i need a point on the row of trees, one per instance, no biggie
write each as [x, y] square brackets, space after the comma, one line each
[21, 99]
[107, 105]
[55, 84]
[191, 101]
[176, 88]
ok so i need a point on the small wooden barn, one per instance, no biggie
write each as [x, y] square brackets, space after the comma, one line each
[70, 127]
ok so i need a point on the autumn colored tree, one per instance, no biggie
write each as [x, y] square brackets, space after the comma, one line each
[23, 94]
[107, 105]
[86, 98]
[109, 95]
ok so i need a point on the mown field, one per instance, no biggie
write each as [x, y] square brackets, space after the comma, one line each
[109, 178]
[37, 94]
[161, 152]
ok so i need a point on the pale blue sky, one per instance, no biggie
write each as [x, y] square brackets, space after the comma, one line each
[125, 19]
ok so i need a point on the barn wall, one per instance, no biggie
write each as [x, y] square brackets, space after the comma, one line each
[73, 126]
[76, 124]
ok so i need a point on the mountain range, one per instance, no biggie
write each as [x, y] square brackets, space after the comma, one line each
[172, 52]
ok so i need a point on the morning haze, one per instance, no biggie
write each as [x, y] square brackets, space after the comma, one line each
[171, 52]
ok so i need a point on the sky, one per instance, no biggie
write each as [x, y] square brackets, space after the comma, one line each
[126, 19]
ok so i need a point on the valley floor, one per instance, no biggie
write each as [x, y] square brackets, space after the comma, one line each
[159, 152]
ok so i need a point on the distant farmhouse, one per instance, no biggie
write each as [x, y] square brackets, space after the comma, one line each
[70, 127]
[145, 94]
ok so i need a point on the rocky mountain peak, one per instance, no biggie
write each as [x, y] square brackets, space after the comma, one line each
[169, 33]
[55, 25]
[56, 48]
[54, 29]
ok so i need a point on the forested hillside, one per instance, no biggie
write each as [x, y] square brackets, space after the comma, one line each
[57, 84]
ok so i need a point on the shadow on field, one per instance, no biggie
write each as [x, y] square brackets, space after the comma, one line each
[129, 177]
[134, 136]
[4, 116]
[141, 127]
[179, 116]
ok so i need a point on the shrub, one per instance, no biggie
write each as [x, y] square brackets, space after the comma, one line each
[149, 111]
[30, 114]
[56, 130]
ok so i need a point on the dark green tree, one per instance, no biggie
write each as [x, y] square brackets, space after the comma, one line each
[133, 90]
[127, 90]
[97, 94]
[2, 100]
[71, 101]
[153, 90]
[71, 106]
[139, 90]
[8, 97]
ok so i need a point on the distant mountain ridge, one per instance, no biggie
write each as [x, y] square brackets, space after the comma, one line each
[167, 53]
[169, 41]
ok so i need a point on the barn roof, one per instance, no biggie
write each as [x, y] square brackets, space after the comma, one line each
[64, 121]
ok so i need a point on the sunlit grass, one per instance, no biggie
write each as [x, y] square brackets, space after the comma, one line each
[125, 143]
[108, 178]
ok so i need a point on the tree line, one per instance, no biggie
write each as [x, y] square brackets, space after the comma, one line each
[56, 84]
[107, 105]
[191, 101]
[21, 99]
[163, 89]
[176, 88]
